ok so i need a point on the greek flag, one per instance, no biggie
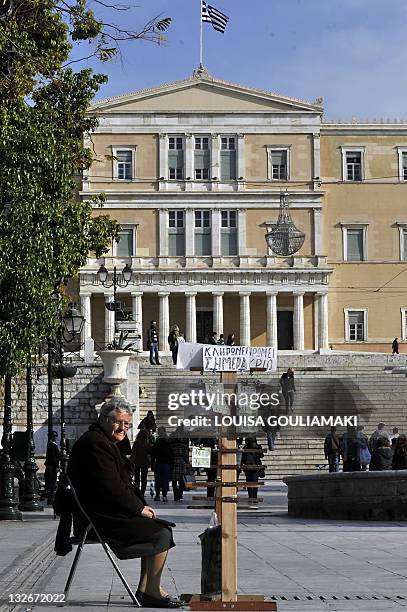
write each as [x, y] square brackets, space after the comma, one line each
[215, 17]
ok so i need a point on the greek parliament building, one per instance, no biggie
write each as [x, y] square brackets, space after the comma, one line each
[199, 171]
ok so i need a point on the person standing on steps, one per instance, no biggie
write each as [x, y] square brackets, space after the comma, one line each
[395, 346]
[288, 389]
[173, 341]
[331, 450]
[152, 343]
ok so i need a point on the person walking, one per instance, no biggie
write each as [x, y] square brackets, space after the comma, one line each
[349, 450]
[231, 340]
[173, 340]
[253, 462]
[331, 450]
[181, 461]
[140, 459]
[382, 456]
[400, 454]
[152, 343]
[362, 441]
[149, 424]
[395, 346]
[287, 384]
[162, 460]
[379, 433]
[51, 467]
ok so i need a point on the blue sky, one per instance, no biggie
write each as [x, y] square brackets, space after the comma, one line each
[353, 53]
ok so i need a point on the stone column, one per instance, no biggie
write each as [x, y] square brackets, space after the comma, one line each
[241, 163]
[245, 318]
[109, 321]
[316, 321]
[189, 157]
[163, 232]
[218, 312]
[191, 316]
[241, 232]
[323, 340]
[272, 319]
[318, 248]
[215, 232]
[137, 311]
[164, 321]
[215, 157]
[189, 232]
[164, 156]
[86, 312]
[299, 321]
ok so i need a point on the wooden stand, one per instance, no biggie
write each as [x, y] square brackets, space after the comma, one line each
[226, 509]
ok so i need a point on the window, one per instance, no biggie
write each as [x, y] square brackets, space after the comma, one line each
[123, 163]
[228, 158]
[404, 323]
[203, 242]
[202, 158]
[354, 237]
[176, 157]
[352, 163]
[402, 154]
[402, 227]
[356, 325]
[125, 247]
[278, 163]
[176, 233]
[228, 232]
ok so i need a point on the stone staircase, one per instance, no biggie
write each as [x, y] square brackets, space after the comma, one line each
[355, 384]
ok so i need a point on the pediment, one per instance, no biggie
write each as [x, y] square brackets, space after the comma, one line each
[204, 95]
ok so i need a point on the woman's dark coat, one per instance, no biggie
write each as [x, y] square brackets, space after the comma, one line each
[381, 459]
[399, 461]
[103, 485]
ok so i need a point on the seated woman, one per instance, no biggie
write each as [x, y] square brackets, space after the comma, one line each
[103, 484]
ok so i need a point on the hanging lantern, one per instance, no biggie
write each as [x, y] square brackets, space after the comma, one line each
[285, 239]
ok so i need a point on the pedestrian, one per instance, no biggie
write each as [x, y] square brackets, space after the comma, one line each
[400, 454]
[140, 459]
[382, 456]
[180, 453]
[287, 385]
[152, 343]
[221, 340]
[51, 467]
[349, 450]
[213, 338]
[362, 441]
[149, 424]
[331, 450]
[173, 340]
[395, 435]
[211, 472]
[395, 346]
[162, 460]
[231, 340]
[379, 433]
[252, 465]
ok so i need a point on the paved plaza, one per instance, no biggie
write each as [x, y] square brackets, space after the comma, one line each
[309, 565]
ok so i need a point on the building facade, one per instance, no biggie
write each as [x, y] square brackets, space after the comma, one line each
[194, 171]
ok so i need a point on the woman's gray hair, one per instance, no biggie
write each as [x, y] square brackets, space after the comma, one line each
[114, 406]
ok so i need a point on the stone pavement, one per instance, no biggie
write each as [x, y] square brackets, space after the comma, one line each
[306, 565]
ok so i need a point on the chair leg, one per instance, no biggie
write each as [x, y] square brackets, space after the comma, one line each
[75, 563]
[122, 578]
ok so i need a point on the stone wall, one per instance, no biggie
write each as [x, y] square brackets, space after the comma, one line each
[366, 496]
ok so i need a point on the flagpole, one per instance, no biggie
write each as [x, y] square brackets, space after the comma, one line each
[201, 41]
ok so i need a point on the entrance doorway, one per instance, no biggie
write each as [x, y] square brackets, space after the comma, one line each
[204, 324]
[285, 334]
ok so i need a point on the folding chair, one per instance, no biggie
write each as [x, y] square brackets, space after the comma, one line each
[81, 542]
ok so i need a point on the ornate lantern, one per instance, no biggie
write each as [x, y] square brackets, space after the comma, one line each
[285, 239]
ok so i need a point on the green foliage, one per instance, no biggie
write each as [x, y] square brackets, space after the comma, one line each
[46, 231]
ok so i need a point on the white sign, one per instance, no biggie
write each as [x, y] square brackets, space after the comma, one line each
[189, 355]
[201, 457]
[219, 358]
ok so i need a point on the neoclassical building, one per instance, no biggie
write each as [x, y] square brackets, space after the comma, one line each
[195, 171]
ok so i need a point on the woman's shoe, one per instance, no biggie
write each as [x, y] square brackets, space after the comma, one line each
[163, 602]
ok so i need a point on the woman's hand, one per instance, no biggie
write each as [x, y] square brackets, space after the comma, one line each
[148, 512]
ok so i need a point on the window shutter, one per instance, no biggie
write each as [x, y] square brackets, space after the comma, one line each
[228, 165]
[354, 245]
[124, 247]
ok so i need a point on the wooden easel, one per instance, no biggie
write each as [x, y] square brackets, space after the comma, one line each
[226, 510]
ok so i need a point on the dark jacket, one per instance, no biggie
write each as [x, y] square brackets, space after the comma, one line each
[162, 452]
[103, 485]
[381, 459]
[249, 458]
[399, 461]
[152, 335]
[331, 445]
[173, 340]
[52, 456]
[287, 383]
[141, 454]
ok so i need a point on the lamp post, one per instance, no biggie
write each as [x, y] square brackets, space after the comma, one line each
[103, 275]
[8, 502]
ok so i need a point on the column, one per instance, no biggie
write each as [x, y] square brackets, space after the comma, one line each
[164, 321]
[216, 250]
[316, 140]
[189, 232]
[109, 321]
[86, 312]
[189, 156]
[215, 157]
[163, 172]
[323, 321]
[240, 157]
[241, 232]
[191, 316]
[299, 321]
[318, 248]
[245, 336]
[272, 319]
[316, 321]
[218, 312]
[137, 311]
[163, 232]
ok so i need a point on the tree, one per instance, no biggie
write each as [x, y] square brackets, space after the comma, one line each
[46, 231]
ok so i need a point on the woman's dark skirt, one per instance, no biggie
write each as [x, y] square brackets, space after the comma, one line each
[158, 543]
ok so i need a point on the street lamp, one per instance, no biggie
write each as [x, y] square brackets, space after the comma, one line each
[103, 276]
[8, 503]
